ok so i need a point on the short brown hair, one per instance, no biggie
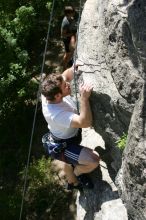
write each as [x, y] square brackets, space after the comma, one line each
[51, 86]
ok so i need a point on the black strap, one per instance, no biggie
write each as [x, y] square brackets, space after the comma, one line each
[76, 139]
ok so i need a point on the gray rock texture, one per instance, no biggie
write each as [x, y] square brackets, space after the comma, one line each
[103, 47]
[112, 49]
[131, 179]
[102, 202]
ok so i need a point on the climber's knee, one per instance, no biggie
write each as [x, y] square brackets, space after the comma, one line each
[92, 165]
[88, 157]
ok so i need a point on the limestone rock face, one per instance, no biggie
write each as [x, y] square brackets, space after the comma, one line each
[103, 201]
[131, 179]
[111, 63]
[112, 49]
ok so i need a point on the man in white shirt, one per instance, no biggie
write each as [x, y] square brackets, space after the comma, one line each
[64, 124]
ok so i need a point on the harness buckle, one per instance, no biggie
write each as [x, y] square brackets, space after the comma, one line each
[59, 147]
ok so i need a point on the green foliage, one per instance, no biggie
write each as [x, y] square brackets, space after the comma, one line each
[24, 23]
[23, 30]
[16, 32]
[14, 74]
[45, 198]
[40, 173]
[121, 143]
[44, 192]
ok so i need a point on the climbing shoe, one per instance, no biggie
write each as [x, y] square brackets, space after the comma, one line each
[71, 186]
[85, 181]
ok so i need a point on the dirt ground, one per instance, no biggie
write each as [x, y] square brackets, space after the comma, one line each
[54, 56]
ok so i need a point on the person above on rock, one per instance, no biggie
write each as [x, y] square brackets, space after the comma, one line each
[64, 123]
[68, 34]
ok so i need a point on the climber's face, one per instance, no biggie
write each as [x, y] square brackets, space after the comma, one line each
[65, 87]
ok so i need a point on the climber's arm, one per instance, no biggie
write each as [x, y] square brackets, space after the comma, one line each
[68, 74]
[84, 119]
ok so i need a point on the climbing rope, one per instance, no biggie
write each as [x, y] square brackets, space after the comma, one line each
[35, 112]
[75, 56]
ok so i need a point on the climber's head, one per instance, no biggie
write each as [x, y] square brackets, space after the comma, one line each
[69, 11]
[54, 87]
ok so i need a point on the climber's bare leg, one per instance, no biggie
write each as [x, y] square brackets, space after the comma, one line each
[72, 44]
[66, 59]
[88, 161]
[68, 170]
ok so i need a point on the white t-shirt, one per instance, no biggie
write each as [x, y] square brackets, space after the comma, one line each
[59, 117]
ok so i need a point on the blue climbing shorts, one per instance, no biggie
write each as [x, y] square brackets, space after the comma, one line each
[66, 150]
[71, 153]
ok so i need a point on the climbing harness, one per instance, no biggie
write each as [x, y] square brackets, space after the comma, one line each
[55, 147]
[51, 146]
[35, 112]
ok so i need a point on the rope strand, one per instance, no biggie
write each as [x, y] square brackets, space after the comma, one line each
[35, 112]
[75, 55]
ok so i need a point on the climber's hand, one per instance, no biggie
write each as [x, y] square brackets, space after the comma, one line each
[85, 90]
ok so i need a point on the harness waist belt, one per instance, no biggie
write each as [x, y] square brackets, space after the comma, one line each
[58, 140]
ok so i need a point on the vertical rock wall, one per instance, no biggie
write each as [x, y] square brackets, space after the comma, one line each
[132, 176]
[131, 179]
[104, 44]
[112, 48]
